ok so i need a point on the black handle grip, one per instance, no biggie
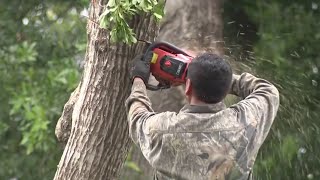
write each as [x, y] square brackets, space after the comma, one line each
[156, 88]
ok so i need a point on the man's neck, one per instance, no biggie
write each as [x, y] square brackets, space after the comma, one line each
[197, 102]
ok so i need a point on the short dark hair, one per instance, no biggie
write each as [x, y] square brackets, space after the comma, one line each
[210, 76]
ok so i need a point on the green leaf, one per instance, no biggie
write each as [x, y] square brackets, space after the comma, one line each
[158, 10]
[113, 35]
[133, 39]
[134, 2]
[104, 19]
[3, 128]
[111, 3]
[158, 16]
[103, 22]
[133, 166]
[17, 103]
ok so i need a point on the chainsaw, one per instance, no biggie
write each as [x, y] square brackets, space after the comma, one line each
[168, 65]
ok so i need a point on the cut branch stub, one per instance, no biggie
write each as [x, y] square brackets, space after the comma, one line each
[63, 127]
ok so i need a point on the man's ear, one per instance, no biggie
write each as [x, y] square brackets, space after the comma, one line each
[188, 89]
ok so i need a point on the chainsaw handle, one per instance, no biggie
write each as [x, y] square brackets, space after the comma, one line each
[168, 46]
[156, 88]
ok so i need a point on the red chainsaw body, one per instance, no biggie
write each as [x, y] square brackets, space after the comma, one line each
[169, 67]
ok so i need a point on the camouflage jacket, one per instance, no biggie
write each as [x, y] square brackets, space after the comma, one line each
[204, 142]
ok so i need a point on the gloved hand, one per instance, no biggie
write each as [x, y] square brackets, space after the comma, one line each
[140, 68]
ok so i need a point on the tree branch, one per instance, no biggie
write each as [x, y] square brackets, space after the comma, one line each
[63, 127]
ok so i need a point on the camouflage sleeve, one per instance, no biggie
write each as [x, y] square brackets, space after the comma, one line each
[145, 126]
[138, 107]
[259, 105]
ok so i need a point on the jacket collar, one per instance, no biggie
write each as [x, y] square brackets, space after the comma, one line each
[208, 108]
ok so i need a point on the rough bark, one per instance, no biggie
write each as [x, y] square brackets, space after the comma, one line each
[63, 127]
[99, 141]
[192, 25]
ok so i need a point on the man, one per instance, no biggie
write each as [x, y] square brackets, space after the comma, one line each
[205, 140]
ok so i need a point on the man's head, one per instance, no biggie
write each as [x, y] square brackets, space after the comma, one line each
[208, 79]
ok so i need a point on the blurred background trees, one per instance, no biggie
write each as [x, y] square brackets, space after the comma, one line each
[279, 40]
[42, 45]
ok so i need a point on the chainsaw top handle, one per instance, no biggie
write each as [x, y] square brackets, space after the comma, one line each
[156, 88]
[166, 46]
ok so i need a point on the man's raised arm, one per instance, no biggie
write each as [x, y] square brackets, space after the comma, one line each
[260, 102]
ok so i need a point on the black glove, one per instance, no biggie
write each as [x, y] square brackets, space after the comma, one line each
[141, 68]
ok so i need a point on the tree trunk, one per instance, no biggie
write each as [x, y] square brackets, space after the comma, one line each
[191, 25]
[99, 141]
[194, 25]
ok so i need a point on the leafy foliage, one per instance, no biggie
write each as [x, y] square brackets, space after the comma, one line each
[40, 42]
[118, 12]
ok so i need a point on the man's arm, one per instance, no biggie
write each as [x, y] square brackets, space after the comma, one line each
[259, 105]
[138, 107]
[145, 126]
